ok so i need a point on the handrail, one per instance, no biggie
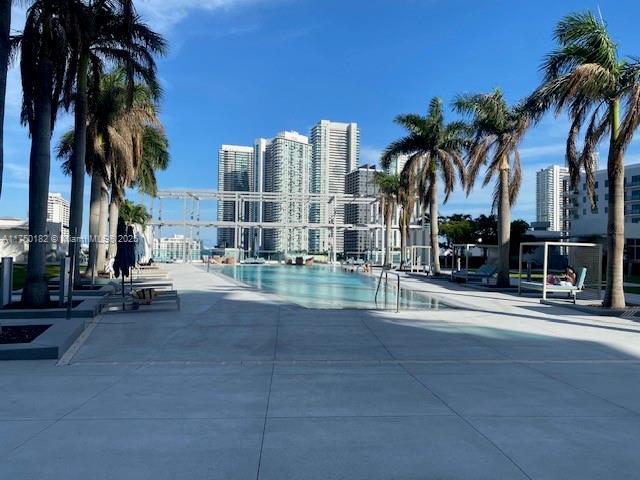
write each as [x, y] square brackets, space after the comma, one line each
[386, 278]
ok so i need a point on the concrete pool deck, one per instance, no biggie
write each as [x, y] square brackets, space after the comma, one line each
[239, 385]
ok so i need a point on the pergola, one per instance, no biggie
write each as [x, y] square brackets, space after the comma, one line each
[592, 262]
[466, 247]
[417, 255]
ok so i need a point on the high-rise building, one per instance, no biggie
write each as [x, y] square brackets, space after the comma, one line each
[257, 209]
[286, 170]
[361, 182]
[335, 153]
[397, 164]
[58, 211]
[235, 174]
[178, 248]
[551, 198]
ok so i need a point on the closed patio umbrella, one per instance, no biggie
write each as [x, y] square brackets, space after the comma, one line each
[125, 253]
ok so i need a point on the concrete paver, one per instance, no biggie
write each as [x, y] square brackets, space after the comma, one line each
[241, 385]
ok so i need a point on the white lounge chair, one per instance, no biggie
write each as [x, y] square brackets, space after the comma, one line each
[571, 290]
[484, 272]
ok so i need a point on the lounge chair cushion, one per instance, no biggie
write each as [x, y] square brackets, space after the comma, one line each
[144, 295]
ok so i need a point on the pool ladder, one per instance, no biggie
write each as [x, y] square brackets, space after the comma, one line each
[386, 273]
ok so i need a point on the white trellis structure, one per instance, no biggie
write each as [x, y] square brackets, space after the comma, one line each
[587, 256]
[420, 258]
[465, 249]
[191, 221]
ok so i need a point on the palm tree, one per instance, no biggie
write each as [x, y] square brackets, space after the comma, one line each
[497, 131]
[406, 200]
[105, 30]
[134, 213]
[586, 77]
[113, 155]
[434, 149]
[44, 61]
[388, 186]
[127, 145]
[155, 157]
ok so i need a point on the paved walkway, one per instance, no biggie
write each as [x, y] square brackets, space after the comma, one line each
[240, 386]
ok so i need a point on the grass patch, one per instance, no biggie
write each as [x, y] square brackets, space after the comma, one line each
[20, 274]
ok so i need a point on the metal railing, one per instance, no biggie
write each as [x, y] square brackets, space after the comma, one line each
[386, 273]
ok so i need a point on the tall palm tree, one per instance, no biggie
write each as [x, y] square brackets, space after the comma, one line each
[435, 149]
[388, 187]
[106, 30]
[44, 61]
[115, 156]
[497, 131]
[407, 201]
[586, 77]
[155, 157]
[127, 144]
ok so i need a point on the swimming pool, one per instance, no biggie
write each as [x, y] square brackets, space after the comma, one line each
[328, 287]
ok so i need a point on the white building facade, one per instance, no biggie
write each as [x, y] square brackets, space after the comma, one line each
[335, 153]
[552, 204]
[286, 170]
[177, 248]
[58, 210]
[589, 222]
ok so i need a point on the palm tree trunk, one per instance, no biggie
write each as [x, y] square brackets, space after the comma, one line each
[403, 238]
[433, 226]
[388, 218]
[504, 229]
[78, 163]
[36, 292]
[5, 24]
[94, 223]
[103, 227]
[114, 210]
[614, 293]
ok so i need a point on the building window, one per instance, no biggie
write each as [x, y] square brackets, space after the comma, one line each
[584, 211]
[596, 186]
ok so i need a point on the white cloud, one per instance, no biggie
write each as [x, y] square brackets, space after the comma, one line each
[163, 15]
[17, 172]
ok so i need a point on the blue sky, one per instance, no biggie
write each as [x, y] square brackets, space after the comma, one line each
[242, 69]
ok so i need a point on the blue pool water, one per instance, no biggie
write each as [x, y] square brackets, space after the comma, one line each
[328, 287]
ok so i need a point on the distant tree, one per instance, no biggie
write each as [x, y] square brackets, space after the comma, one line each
[486, 229]
[458, 231]
[435, 150]
[134, 213]
[388, 187]
[518, 233]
